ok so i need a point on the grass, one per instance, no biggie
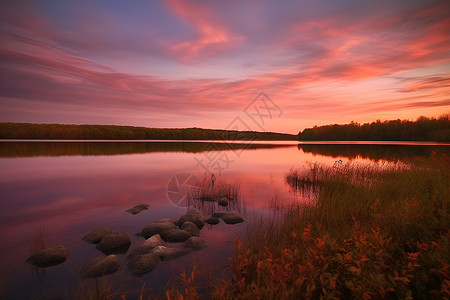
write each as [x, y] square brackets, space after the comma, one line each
[374, 232]
[212, 190]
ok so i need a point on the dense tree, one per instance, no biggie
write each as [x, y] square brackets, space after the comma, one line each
[110, 132]
[423, 129]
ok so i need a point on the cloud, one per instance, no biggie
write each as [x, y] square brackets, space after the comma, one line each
[211, 38]
[427, 83]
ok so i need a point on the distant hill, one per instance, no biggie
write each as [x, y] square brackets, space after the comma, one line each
[423, 129]
[110, 132]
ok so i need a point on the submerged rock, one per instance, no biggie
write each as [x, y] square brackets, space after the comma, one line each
[96, 235]
[167, 253]
[194, 243]
[212, 220]
[100, 266]
[164, 220]
[222, 201]
[142, 264]
[218, 214]
[191, 228]
[175, 235]
[137, 209]
[157, 227]
[49, 257]
[232, 218]
[193, 216]
[117, 242]
[147, 245]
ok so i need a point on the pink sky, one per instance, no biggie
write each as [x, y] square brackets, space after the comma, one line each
[201, 63]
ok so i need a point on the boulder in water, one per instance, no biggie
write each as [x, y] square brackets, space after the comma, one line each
[194, 243]
[193, 216]
[144, 263]
[137, 209]
[167, 253]
[222, 201]
[157, 227]
[191, 228]
[96, 235]
[218, 214]
[100, 266]
[49, 257]
[232, 218]
[175, 235]
[117, 242]
[147, 245]
[212, 220]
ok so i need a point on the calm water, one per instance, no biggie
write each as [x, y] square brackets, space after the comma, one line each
[65, 189]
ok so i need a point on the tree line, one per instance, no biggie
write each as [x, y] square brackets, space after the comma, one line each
[423, 129]
[10, 130]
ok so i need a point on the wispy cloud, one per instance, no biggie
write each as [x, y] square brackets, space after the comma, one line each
[211, 36]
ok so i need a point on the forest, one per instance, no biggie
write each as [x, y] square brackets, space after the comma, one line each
[110, 132]
[423, 129]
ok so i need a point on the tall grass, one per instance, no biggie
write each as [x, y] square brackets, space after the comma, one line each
[212, 190]
[208, 195]
[376, 231]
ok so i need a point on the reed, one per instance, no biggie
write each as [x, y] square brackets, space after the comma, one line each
[376, 231]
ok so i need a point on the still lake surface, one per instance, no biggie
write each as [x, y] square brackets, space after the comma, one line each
[65, 189]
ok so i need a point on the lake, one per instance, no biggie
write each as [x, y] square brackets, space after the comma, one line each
[61, 190]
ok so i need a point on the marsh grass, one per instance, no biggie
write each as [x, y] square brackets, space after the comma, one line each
[207, 194]
[376, 231]
[212, 190]
[39, 242]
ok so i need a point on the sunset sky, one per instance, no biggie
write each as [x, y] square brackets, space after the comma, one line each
[202, 63]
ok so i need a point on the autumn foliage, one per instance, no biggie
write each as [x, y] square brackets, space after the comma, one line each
[390, 242]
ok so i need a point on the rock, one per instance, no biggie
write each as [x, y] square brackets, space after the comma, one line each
[175, 235]
[96, 235]
[137, 209]
[218, 214]
[194, 217]
[100, 266]
[166, 253]
[223, 201]
[212, 220]
[49, 257]
[164, 220]
[232, 218]
[191, 228]
[117, 242]
[142, 264]
[194, 243]
[157, 227]
[147, 245]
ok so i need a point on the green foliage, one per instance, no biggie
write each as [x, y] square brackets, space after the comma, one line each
[423, 129]
[110, 132]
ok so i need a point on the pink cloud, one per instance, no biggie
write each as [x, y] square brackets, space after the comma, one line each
[212, 37]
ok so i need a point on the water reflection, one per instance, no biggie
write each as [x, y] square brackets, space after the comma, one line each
[375, 152]
[28, 149]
